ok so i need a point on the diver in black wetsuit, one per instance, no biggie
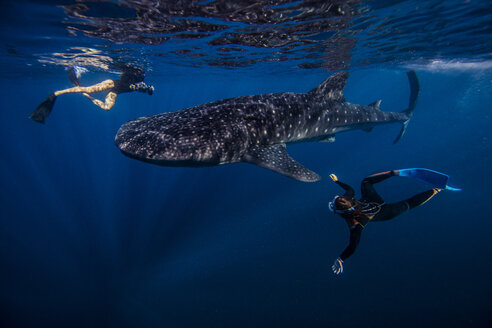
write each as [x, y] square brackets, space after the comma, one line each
[131, 80]
[371, 207]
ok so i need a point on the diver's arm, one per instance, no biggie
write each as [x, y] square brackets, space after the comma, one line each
[355, 234]
[349, 191]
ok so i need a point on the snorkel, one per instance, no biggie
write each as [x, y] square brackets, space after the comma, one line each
[333, 207]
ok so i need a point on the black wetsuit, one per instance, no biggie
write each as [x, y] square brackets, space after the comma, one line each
[371, 207]
[131, 80]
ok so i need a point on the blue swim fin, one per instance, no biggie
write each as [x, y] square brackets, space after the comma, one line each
[434, 178]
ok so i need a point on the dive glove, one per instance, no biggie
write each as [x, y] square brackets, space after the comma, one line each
[337, 266]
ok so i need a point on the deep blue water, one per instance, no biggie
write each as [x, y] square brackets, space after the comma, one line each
[91, 238]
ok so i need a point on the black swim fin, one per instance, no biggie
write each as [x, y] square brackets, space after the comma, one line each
[44, 109]
[73, 76]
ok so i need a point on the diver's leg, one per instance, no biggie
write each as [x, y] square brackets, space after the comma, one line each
[370, 194]
[100, 87]
[108, 102]
[389, 211]
[422, 198]
[44, 109]
[378, 177]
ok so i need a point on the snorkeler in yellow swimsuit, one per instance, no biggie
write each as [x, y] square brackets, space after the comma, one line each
[131, 80]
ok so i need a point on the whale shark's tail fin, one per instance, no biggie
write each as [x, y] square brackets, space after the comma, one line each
[414, 94]
[44, 109]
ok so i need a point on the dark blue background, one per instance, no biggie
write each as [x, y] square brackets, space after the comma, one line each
[89, 237]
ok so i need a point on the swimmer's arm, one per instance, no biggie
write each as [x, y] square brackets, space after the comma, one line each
[349, 191]
[142, 87]
[355, 234]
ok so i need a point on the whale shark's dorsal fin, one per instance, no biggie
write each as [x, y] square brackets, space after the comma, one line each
[275, 158]
[376, 104]
[331, 88]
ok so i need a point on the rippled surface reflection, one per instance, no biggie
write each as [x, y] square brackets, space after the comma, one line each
[299, 34]
[230, 33]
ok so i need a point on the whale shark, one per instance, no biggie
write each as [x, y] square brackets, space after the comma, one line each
[256, 129]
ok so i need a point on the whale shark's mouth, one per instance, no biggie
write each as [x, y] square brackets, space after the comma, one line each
[169, 162]
[141, 139]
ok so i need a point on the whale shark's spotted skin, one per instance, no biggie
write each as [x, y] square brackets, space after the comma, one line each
[251, 129]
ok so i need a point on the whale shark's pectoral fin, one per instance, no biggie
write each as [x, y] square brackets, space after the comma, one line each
[275, 158]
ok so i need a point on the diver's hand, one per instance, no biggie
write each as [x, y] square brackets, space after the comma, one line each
[142, 87]
[333, 177]
[337, 266]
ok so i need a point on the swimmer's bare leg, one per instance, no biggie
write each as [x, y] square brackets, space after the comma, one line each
[100, 87]
[44, 109]
[108, 102]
